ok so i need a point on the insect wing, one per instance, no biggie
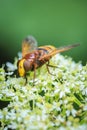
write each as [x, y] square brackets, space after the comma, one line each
[58, 50]
[28, 45]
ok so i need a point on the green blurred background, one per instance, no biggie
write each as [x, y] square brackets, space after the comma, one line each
[56, 22]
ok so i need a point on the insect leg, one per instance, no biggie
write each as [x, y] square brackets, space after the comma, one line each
[34, 74]
[52, 66]
[48, 65]
[25, 79]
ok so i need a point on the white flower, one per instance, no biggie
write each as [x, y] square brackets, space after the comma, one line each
[86, 91]
[1, 115]
[10, 94]
[62, 94]
[9, 73]
[67, 112]
[73, 111]
[20, 55]
[1, 96]
[56, 90]
[69, 123]
[85, 108]
[61, 119]
[65, 101]
[11, 67]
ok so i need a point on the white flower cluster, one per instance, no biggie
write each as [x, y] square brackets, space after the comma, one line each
[56, 101]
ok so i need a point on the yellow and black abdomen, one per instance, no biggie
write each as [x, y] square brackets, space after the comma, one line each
[47, 48]
[41, 52]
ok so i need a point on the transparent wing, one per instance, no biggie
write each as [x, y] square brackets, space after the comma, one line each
[58, 50]
[29, 44]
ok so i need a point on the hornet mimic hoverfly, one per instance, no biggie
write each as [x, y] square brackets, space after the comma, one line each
[34, 57]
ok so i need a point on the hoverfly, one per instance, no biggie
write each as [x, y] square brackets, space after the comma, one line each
[34, 57]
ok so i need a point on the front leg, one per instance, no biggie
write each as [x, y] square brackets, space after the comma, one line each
[26, 80]
[34, 74]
